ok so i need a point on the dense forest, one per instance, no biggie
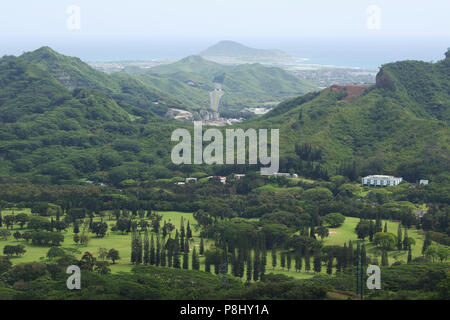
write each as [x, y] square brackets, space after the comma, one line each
[86, 179]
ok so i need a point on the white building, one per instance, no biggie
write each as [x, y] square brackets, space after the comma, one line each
[281, 174]
[285, 174]
[238, 176]
[188, 180]
[381, 181]
[424, 182]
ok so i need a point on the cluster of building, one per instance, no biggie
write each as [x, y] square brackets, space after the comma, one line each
[235, 176]
[385, 181]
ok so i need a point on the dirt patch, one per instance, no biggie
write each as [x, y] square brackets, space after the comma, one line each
[353, 91]
[332, 232]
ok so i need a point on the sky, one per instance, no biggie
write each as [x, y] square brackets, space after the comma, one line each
[191, 24]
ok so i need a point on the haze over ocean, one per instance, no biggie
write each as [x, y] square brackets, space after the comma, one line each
[360, 33]
[339, 51]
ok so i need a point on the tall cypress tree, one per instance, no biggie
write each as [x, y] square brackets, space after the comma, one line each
[405, 240]
[176, 251]
[426, 242]
[288, 261]
[186, 260]
[385, 227]
[409, 254]
[241, 261]
[224, 260]
[330, 264]
[139, 249]
[249, 269]
[202, 247]
[399, 237]
[158, 250]
[378, 224]
[274, 257]
[282, 259]
[182, 235]
[363, 255]
[298, 260]
[344, 257]
[195, 259]
[307, 261]
[169, 245]
[351, 253]
[217, 262]
[133, 248]
[146, 248]
[256, 265]
[188, 231]
[263, 262]
[317, 262]
[152, 259]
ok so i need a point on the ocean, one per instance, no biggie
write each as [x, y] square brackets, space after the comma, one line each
[364, 52]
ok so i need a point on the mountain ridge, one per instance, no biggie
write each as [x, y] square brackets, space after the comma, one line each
[228, 48]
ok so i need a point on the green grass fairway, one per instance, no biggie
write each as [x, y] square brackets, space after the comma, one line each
[116, 240]
[122, 243]
[346, 232]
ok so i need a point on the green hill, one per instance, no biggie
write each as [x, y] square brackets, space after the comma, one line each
[51, 134]
[74, 73]
[244, 85]
[234, 49]
[399, 126]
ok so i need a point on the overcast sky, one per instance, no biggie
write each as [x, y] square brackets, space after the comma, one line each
[225, 18]
[343, 32]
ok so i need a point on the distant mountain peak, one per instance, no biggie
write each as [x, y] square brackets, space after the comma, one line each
[228, 48]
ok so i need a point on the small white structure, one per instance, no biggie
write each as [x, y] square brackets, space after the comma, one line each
[285, 174]
[281, 174]
[238, 176]
[381, 181]
[189, 180]
[180, 183]
[424, 182]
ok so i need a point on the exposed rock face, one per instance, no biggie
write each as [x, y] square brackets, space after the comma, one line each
[353, 91]
[383, 81]
[179, 114]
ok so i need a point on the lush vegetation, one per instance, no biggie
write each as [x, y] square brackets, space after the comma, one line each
[85, 179]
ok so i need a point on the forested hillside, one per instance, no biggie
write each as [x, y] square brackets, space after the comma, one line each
[50, 133]
[398, 126]
[62, 121]
[191, 79]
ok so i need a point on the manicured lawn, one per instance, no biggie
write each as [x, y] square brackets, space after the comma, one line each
[346, 232]
[122, 243]
[116, 240]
